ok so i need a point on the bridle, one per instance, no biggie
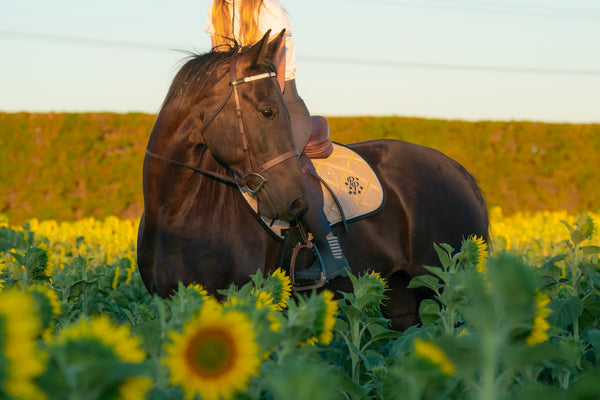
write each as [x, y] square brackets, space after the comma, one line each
[242, 182]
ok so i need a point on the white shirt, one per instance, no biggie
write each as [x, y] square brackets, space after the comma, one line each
[272, 16]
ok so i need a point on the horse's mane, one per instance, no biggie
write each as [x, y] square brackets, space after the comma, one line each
[196, 73]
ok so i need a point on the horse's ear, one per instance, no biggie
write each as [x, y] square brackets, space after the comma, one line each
[275, 51]
[259, 50]
[269, 52]
[276, 55]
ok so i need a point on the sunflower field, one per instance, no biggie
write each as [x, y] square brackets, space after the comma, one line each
[517, 318]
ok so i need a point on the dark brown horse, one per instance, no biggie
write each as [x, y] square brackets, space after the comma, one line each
[197, 228]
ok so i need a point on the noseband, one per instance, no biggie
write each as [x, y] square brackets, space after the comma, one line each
[242, 182]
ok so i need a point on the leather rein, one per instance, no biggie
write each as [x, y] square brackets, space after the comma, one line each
[242, 182]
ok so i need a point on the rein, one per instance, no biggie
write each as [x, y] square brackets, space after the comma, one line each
[243, 181]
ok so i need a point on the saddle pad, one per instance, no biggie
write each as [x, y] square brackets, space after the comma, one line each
[351, 180]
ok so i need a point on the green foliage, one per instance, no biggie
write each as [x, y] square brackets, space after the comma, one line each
[67, 166]
[497, 328]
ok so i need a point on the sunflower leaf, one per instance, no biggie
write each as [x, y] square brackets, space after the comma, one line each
[427, 281]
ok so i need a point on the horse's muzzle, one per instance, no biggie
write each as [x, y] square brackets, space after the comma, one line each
[297, 208]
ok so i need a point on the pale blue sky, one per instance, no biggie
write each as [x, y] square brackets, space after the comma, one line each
[453, 59]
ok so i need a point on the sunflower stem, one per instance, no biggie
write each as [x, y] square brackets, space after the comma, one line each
[355, 337]
[575, 276]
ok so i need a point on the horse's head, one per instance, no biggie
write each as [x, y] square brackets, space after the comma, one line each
[231, 103]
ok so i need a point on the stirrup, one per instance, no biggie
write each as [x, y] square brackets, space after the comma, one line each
[304, 243]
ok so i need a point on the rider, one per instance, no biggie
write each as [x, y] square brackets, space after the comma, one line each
[252, 19]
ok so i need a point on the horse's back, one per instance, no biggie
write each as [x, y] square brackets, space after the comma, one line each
[428, 198]
[440, 199]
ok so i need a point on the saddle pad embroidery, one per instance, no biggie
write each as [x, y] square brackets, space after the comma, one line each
[350, 178]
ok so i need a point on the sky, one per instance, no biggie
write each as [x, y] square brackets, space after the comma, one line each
[535, 60]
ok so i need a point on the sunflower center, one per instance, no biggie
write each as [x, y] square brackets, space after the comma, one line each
[211, 353]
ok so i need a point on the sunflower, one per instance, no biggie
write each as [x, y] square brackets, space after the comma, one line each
[116, 278]
[585, 229]
[282, 288]
[377, 276]
[263, 299]
[97, 356]
[539, 333]
[47, 302]
[99, 329]
[214, 356]
[326, 319]
[274, 322]
[199, 288]
[432, 353]
[19, 330]
[369, 291]
[475, 251]
[135, 388]
[2, 282]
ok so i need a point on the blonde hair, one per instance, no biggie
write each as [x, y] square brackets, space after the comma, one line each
[222, 22]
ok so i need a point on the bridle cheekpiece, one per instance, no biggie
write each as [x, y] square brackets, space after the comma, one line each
[242, 182]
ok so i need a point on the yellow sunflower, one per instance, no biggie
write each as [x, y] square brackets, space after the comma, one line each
[482, 253]
[377, 276]
[215, 356]
[432, 353]
[263, 299]
[283, 290]
[135, 388]
[19, 330]
[274, 322]
[475, 251]
[50, 295]
[116, 278]
[539, 333]
[99, 328]
[326, 320]
[2, 282]
[199, 288]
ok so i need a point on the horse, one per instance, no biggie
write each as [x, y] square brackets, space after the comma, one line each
[224, 126]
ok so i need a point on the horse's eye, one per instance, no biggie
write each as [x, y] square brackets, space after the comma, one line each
[267, 113]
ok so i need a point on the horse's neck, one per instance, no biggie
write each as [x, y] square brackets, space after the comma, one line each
[188, 193]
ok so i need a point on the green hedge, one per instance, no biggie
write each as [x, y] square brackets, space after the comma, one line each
[66, 166]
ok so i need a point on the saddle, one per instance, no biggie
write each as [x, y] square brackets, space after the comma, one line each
[319, 145]
[350, 189]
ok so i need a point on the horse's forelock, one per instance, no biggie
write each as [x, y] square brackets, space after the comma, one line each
[198, 71]
[195, 74]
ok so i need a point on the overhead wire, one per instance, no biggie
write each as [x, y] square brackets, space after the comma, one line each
[458, 67]
[463, 5]
[87, 41]
[520, 9]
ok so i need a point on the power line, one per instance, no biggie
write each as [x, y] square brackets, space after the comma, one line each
[522, 10]
[458, 67]
[83, 41]
[71, 40]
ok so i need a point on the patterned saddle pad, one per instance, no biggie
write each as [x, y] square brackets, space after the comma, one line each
[351, 180]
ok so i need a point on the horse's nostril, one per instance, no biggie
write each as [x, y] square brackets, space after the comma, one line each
[296, 207]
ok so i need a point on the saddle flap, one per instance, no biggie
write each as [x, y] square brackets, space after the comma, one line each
[350, 178]
[352, 181]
